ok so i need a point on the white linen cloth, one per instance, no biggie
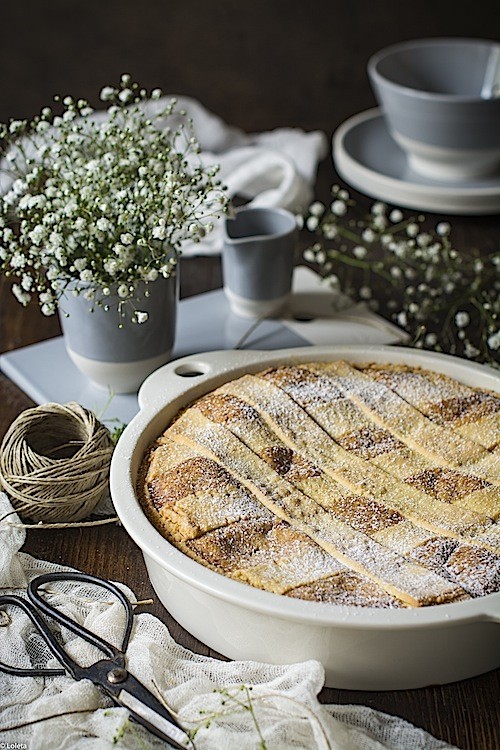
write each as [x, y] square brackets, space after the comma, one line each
[271, 169]
[202, 691]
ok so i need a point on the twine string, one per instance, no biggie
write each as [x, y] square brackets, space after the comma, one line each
[54, 462]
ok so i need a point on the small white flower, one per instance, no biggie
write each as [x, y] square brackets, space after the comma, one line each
[365, 292]
[312, 223]
[368, 235]
[424, 239]
[86, 275]
[470, 350]
[493, 341]
[412, 230]
[26, 282]
[462, 319]
[15, 126]
[37, 235]
[48, 308]
[443, 229]
[20, 294]
[18, 260]
[141, 317]
[111, 266]
[396, 216]
[125, 95]
[107, 93]
[123, 291]
[317, 209]
[378, 208]
[402, 318]
[126, 238]
[53, 273]
[359, 252]
[330, 231]
[159, 233]
[338, 208]
[103, 224]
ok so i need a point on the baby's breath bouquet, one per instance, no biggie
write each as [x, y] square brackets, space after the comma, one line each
[104, 198]
[446, 300]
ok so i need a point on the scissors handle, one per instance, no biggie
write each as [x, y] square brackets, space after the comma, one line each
[38, 600]
[44, 631]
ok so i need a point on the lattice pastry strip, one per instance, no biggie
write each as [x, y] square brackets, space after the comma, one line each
[474, 413]
[191, 494]
[411, 582]
[298, 431]
[364, 514]
[235, 535]
[351, 428]
[393, 413]
[280, 559]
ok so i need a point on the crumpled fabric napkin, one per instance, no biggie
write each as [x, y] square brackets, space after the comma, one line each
[211, 698]
[271, 169]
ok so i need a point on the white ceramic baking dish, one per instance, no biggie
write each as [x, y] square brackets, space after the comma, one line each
[361, 649]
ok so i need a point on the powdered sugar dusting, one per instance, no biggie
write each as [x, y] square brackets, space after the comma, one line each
[283, 480]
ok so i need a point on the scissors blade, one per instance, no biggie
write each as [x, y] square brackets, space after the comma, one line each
[154, 721]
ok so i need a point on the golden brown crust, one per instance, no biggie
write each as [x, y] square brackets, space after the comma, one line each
[367, 485]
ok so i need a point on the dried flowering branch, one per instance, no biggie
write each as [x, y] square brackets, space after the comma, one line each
[106, 198]
[445, 300]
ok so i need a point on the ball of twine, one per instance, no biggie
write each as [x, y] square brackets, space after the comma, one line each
[54, 462]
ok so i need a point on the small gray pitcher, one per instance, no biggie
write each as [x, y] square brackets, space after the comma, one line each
[258, 256]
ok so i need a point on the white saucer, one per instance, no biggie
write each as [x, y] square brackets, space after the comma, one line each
[367, 157]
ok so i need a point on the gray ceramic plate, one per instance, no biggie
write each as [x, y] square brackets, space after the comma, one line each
[366, 157]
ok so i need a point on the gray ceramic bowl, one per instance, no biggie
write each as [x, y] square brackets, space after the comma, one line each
[441, 99]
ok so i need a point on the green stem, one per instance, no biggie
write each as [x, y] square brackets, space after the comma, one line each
[357, 263]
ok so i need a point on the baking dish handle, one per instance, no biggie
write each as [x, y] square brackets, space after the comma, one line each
[197, 368]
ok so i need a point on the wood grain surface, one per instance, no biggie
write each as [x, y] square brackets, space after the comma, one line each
[465, 714]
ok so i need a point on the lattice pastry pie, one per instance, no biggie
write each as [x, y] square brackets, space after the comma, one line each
[370, 485]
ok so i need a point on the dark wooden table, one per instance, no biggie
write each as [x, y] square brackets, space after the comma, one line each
[466, 713]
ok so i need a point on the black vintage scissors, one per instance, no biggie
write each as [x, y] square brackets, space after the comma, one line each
[110, 673]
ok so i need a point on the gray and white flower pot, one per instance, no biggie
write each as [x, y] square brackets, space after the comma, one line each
[109, 348]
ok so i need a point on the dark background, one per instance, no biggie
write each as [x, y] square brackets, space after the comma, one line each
[259, 64]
